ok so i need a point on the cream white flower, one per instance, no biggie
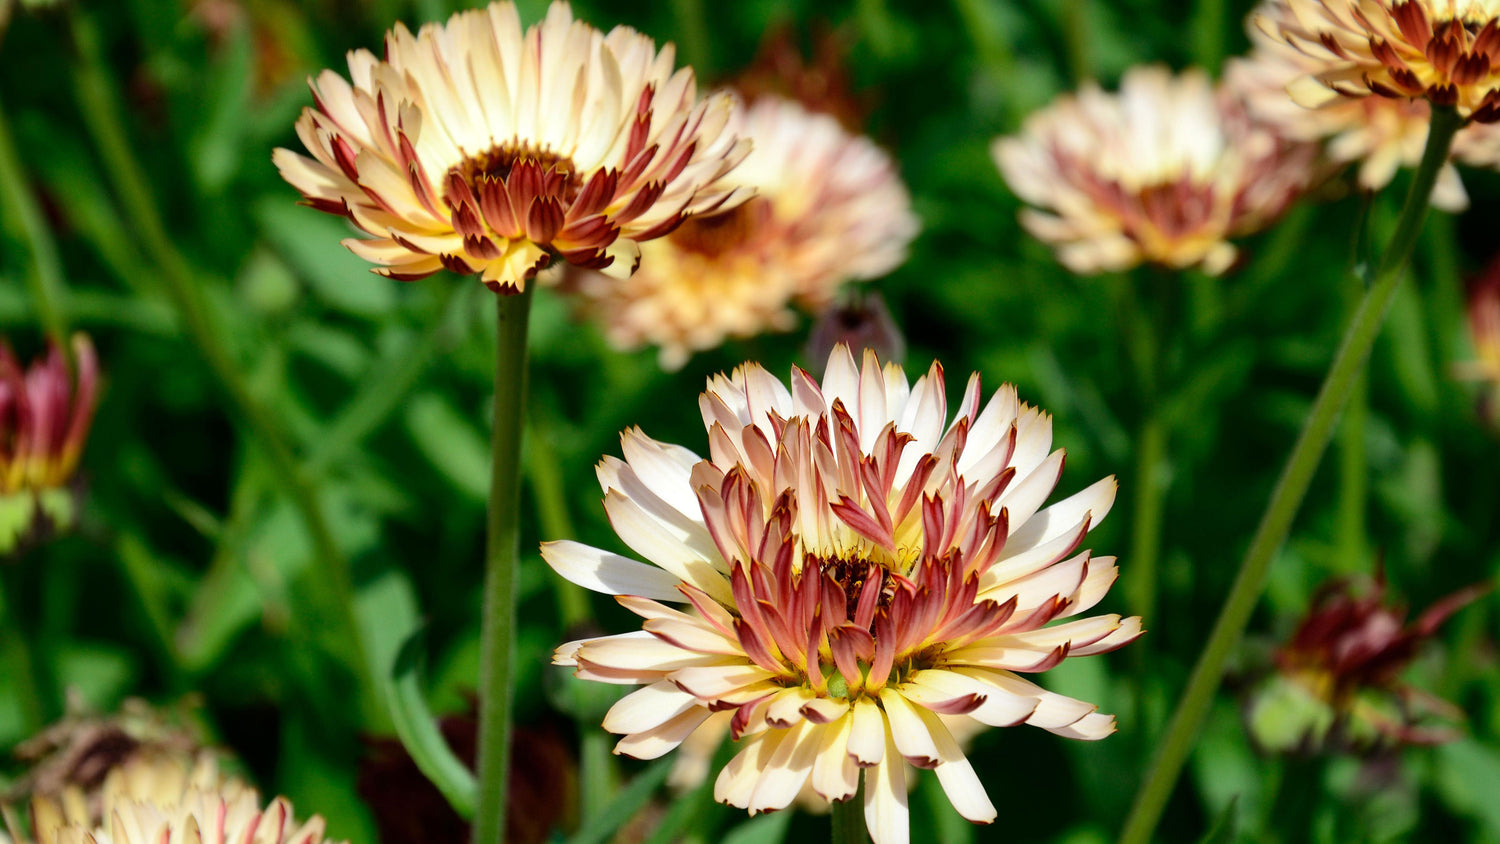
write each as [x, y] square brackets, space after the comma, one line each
[858, 566]
[1379, 134]
[484, 148]
[1166, 171]
[829, 208]
[1445, 51]
[162, 801]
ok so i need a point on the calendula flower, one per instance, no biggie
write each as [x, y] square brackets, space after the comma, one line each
[858, 566]
[145, 804]
[1164, 172]
[1444, 51]
[44, 422]
[484, 148]
[1338, 681]
[829, 208]
[1380, 134]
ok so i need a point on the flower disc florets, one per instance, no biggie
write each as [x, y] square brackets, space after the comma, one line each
[1444, 51]
[857, 567]
[482, 148]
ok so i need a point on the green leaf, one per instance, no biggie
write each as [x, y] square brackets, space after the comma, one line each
[1223, 830]
[451, 443]
[309, 241]
[419, 733]
[765, 829]
[602, 826]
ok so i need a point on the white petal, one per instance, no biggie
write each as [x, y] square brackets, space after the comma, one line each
[886, 814]
[611, 574]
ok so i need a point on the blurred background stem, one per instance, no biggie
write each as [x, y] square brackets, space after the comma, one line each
[100, 105]
[1146, 313]
[25, 225]
[502, 566]
[1209, 19]
[1276, 523]
[1354, 473]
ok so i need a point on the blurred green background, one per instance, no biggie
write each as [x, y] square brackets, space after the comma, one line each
[143, 129]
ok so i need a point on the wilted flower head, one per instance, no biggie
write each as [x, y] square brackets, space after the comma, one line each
[1338, 681]
[1444, 51]
[858, 566]
[829, 208]
[1164, 172]
[44, 422]
[149, 804]
[483, 148]
[1379, 134]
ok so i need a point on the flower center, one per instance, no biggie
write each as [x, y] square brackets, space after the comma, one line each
[527, 171]
[717, 234]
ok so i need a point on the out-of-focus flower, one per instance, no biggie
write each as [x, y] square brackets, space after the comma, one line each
[483, 148]
[1484, 332]
[409, 809]
[829, 208]
[70, 760]
[859, 566]
[1338, 680]
[44, 422]
[1380, 134]
[1445, 51]
[149, 804]
[859, 320]
[1165, 172]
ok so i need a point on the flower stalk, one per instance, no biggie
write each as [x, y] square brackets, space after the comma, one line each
[1276, 523]
[848, 820]
[502, 564]
[100, 107]
[22, 220]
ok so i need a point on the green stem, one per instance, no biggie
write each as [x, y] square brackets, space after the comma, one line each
[545, 479]
[849, 820]
[502, 564]
[99, 103]
[1208, 33]
[1076, 38]
[1152, 797]
[1145, 531]
[23, 222]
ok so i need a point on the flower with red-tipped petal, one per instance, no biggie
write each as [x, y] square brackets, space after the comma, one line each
[484, 148]
[1484, 333]
[1443, 51]
[158, 801]
[857, 565]
[1378, 134]
[1338, 680]
[44, 423]
[1166, 171]
[829, 208]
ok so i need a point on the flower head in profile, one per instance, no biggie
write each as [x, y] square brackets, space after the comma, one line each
[1166, 172]
[856, 566]
[149, 802]
[1338, 681]
[44, 423]
[1443, 51]
[829, 208]
[483, 148]
[1379, 134]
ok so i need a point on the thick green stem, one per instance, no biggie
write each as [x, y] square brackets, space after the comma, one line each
[99, 103]
[23, 222]
[502, 565]
[849, 820]
[1193, 706]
